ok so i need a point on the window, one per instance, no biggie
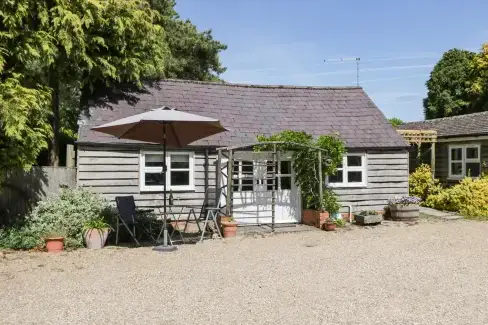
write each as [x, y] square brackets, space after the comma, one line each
[351, 173]
[179, 176]
[243, 176]
[283, 176]
[464, 160]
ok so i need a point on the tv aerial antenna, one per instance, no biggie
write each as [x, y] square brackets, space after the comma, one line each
[345, 60]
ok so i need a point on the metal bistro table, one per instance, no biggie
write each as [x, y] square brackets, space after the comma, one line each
[174, 213]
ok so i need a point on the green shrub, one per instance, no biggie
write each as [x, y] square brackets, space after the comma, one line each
[18, 238]
[469, 197]
[421, 184]
[68, 212]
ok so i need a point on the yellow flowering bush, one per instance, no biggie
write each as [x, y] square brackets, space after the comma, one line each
[469, 197]
[421, 184]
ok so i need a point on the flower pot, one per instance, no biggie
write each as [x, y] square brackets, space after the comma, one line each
[229, 229]
[54, 244]
[402, 212]
[96, 238]
[329, 226]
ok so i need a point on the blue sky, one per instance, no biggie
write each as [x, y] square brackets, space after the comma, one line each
[286, 42]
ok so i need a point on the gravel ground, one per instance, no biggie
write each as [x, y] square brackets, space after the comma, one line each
[428, 273]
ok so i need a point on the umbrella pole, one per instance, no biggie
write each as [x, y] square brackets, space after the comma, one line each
[165, 247]
[165, 170]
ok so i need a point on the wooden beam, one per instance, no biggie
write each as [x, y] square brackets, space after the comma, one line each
[432, 159]
[218, 175]
[321, 185]
[230, 163]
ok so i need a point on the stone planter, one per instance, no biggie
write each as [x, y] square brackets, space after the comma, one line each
[372, 219]
[400, 212]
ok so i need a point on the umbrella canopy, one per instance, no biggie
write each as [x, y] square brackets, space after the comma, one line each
[181, 128]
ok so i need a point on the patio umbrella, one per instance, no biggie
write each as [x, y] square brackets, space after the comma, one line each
[166, 126]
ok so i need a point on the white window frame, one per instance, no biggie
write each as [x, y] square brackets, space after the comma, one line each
[463, 160]
[159, 188]
[345, 169]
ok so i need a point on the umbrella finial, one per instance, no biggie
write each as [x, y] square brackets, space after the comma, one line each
[165, 108]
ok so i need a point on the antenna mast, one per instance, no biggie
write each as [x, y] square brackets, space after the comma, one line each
[348, 59]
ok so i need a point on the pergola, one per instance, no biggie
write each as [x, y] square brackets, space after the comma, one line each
[418, 137]
[224, 169]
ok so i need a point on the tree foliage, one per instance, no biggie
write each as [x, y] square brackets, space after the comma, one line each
[395, 121]
[449, 86]
[57, 56]
[458, 84]
[194, 55]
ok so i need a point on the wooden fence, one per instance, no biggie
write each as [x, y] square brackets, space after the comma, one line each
[22, 190]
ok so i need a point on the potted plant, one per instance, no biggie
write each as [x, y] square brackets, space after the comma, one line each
[54, 240]
[341, 223]
[368, 217]
[229, 227]
[329, 203]
[404, 208]
[95, 233]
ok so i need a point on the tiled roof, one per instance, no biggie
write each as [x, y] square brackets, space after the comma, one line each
[251, 110]
[461, 125]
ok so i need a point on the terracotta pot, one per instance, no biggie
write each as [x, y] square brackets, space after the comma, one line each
[329, 226]
[54, 244]
[229, 229]
[96, 238]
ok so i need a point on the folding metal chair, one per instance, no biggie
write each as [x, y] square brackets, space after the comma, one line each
[127, 215]
[209, 211]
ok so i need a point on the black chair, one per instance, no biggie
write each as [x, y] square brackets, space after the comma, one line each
[126, 206]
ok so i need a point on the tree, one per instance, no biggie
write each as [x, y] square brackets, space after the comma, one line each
[479, 85]
[72, 47]
[449, 86]
[395, 121]
[193, 55]
[23, 124]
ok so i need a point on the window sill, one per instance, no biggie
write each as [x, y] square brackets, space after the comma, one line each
[347, 185]
[161, 190]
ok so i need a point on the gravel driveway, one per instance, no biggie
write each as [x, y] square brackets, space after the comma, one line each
[429, 273]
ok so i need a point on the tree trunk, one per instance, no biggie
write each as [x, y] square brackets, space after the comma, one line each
[55, 119]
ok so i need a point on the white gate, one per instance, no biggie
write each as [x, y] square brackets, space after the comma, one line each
[252, 189]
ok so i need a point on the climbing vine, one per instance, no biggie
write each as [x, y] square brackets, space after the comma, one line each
[305, 164]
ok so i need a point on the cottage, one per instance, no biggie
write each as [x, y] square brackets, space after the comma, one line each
[461, 147]
[374, 169]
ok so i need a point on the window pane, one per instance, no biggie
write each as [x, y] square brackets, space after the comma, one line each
[180, 178]
[354, 177]
[247, 167]
[247, 185]
[286, 183]
[269, 183]
[235, 184]
[456, 154]
[337, 178]
[153, 179]
[472, 153]
[457, 169]
[269, 167]
[153, 160]
[285, 167]
[473, 169]
[354, 161]
[180, 161]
